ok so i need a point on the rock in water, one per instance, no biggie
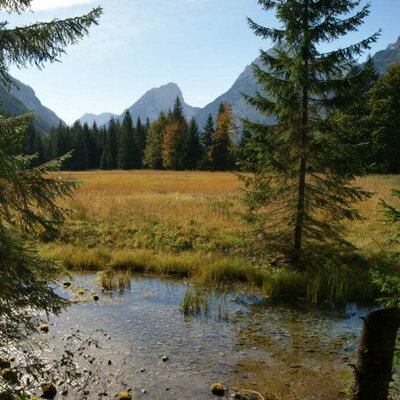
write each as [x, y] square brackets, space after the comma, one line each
[49, 391]
[124, 396]
[217, 389]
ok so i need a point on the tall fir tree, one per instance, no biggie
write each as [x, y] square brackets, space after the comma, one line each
[112, 136]
[301, 186]
[154, 141]
[140, 139]
[174, 148]
[29, 197]
[127, 150]
[193, 146]
[207, 140]
[221, 150]
[383, 121]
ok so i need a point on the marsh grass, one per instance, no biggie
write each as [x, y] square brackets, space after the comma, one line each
[188, 225]
[110, 280]
[195, 302]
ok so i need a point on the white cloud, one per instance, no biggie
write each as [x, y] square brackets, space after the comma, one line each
[43, 5]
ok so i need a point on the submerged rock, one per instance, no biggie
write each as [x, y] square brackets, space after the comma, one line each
[9, 376]
[124, 396]
[6, 396]
[49, 391]
[217, 389]
[5, 363]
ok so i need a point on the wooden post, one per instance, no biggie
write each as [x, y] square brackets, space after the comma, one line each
[373, 371]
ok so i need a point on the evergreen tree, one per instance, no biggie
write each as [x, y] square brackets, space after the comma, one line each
[193, 146]
[76, 138]
[29, 196]
[177, 112]
[154, 141]
[140, 139]
[384, 121]
[128, 157]
[111, 139]
[355, 115]
[301, 185]
[174, 145]
[207, 140]
[175, 139]
[221, 150]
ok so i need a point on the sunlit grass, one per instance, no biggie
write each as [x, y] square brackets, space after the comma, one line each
[188, 225]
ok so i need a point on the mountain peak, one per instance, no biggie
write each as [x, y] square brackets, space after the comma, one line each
[157, 100]
[383, 59]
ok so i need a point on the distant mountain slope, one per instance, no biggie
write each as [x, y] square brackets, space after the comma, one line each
[101, 119]
[159, 99]
[20, 99]
[162, 99]
[246, 83]
[387, 57]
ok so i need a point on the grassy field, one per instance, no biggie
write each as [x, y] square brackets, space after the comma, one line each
[188, 224]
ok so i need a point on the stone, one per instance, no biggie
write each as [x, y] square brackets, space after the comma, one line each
[124, 396]
[49, 391]
[44, 328]
[217, 389]
[5, 363]
[9, 376]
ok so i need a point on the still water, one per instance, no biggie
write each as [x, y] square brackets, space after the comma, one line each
[148, 346]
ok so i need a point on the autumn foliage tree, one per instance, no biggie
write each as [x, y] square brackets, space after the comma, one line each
[221, 149]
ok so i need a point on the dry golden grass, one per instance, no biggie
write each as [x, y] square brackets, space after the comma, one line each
[188, 224]
[203, 200]
[372, 233]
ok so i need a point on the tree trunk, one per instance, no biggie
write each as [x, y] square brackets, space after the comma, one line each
[373, 371]
[298, 229]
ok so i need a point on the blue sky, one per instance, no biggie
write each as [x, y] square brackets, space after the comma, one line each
[202, 45]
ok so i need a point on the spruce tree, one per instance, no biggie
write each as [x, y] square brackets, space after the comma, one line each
[383, 121]
[126, 143]
[154, 142]
[301, 186]
[193, 146]
[174, 148]
[140, 140]
[207, 139]
[221, 150]
[29, 196]
[112, 135]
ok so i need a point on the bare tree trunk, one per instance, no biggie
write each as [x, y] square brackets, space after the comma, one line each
[373, 371]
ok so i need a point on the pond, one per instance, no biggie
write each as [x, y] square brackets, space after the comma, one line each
[149, 346]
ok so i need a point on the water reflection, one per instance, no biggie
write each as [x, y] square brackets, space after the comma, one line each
[205, 341]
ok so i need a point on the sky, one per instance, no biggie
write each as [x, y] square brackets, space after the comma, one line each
[202, 45]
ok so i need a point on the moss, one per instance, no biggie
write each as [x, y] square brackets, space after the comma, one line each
[124, 396]
[217, 389]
